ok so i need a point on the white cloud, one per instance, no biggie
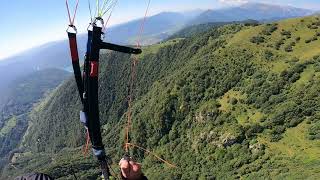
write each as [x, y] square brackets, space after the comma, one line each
[233, 2]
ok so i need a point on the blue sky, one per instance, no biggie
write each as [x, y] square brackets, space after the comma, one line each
[28, 23]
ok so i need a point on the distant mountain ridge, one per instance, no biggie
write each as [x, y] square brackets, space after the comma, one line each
[162, 23]
[56, 54]
[50, 55]
[256, 11]
[157, 28]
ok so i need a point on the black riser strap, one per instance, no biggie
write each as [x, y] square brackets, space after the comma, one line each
[92, 91]
[86, 70]
[75, 63]
[118, 48]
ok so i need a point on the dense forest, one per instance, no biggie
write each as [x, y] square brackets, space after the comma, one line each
[237, 101]
[24, 93]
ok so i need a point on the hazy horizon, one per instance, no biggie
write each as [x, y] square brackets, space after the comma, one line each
[25, 34]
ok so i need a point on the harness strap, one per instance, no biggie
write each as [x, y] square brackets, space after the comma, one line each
[93, 102]
[75, 62]
[92, 90]
[91, 78]
[86, 70]
[118, 48]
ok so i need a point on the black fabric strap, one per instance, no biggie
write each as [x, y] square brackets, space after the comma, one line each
[75, 62]
[92, 91]
[86, 70]
[118, 48]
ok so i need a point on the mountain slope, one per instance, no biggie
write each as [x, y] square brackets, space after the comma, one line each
[28, 90]
[157, 28]
[233, 102]
[25, 92]
[56, 54]
[256, 11]
[190, 31]
[48, 56]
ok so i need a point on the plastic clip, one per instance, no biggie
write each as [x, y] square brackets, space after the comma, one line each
[72, 29]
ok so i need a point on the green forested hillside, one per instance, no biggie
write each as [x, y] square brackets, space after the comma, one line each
[201, 28]
[233, 102]
[24, 93]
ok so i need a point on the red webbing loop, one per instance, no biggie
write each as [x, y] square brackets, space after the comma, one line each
[71, 20]
[94, 69]
[74, 49]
